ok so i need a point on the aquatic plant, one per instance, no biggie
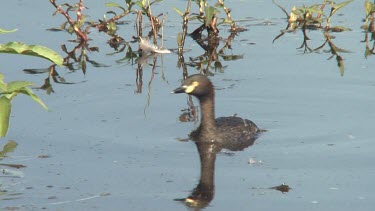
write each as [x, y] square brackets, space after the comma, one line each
[313, 16]
[208, 16]
[74, 25]
[369, 28]
[12, 89]
[8, 92]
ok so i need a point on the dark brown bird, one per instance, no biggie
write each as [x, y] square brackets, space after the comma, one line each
[224, 130]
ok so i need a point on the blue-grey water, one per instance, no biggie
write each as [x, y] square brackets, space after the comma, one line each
[103, 146]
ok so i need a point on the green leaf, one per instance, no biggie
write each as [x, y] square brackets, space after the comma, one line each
[3, 31]
[32, 50]
[310, 10]
[209, 13]
[17, 85]
[28, 91]
[339, 29]
[113, 4]
[232, 57]
[368, 7]
[155, 1]
[5, 108]
[339, 6]
[368, 52]
[140, 4]
[9, 147]
[178, 11]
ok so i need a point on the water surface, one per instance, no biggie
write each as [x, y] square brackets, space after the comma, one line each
[105, 146]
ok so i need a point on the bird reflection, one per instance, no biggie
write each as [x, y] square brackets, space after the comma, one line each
[204, 192]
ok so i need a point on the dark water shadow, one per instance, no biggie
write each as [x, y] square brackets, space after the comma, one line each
[204, 192]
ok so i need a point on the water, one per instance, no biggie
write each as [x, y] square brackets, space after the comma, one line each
[108, 147]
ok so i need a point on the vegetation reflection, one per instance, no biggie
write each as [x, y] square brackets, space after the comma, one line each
[314, 18]
[7, 171]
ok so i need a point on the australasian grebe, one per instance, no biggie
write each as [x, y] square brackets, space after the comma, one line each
[223, 129]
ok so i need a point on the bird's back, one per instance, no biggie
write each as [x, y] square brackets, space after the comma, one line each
[233, 133]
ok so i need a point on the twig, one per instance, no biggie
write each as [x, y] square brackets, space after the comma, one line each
[286, 13]
[184, 27]
[322, 8]
[77, 30]
[227, 11]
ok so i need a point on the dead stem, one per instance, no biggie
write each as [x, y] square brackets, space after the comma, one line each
[138, 79]
[162, 32]
[212, 29]
[184, 27]
[139, 24]
[322, 8]
[152, 20]
[227, 11]
[282, 8]
[228, 43]
[181, 41]
[79, 11]
[150, 82]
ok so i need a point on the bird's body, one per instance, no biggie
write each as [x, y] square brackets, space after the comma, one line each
[225, 130]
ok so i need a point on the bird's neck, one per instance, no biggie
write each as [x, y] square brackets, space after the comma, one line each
[207, 112]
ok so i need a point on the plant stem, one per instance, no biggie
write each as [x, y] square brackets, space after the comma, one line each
[227, 11]
[83, 37]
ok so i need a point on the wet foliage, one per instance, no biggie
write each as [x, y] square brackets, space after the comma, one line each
[8, 92]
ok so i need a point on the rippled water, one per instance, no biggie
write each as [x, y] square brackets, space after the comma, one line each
[105, 146]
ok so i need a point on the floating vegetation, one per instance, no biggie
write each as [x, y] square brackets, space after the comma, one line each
[314, 18]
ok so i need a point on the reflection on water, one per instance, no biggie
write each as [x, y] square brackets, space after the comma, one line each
[210, 59]
[334, 50]
[204, 192]
[312, 18]
[8, 173]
